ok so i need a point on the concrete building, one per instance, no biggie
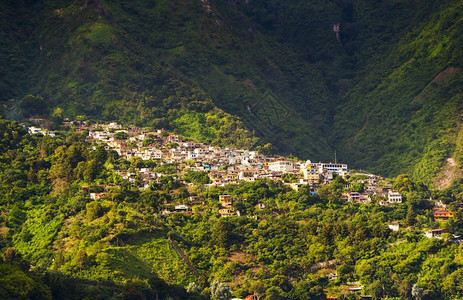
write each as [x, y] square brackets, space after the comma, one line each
[394, 197]
[282, 166]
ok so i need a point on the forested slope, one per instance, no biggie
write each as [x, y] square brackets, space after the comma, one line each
[404, 114]
[57, 241]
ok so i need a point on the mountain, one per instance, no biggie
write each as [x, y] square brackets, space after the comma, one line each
[384, 92]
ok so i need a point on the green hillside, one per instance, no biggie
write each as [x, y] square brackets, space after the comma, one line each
[405, 113]
[385, 94]
[58, 241]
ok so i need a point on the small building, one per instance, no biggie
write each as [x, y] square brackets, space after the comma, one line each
[181, 208]
[443, 214]
[173, 138]
[358, 197]
[226, 200]
[394, 226]
[394, 197]
[34, 130]
[310, 171]
[296, 185]
[435, 233]
[355, 288]
[282, 166]
[311, 175]
[354, 197]
[330, 167]
[227, 212]
[96, 196]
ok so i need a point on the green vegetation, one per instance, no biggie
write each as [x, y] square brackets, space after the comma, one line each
[199, 178]
[406, 110]
[59, 242]
[264, 74]
[66, 245]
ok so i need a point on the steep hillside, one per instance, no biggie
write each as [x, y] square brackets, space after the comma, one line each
[71, 227]
[14, 55]
[404, 112]
[384, 91]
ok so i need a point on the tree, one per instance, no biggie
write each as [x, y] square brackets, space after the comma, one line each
[121, 135]
[10, 255]
[220, 291]
[33, 104]
[417, 291]
[92, 170]
[357, 187]
[196, 177]
[376, 289]
[57, 115]
[16, 217]
[193, 287]
[310, 289]
[80, 260]
[150, 198]
[447, 237]
[159, 286]
[100, 154]
[267, 149]
[410, 218]
[403, 183]
[220, 233]
[405, 288]
[326, 194]
[94, 210]
[258, 288]
[274, 293]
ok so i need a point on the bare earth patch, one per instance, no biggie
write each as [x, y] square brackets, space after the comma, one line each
[441, 78]
[451, 169]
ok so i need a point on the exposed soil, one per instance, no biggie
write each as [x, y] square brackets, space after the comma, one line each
[451, 169]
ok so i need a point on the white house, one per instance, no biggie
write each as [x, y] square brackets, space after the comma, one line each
[34, 130]
[182, 207]
[394, 226]
[435, 233]
[282, 166]
[394, 197]
[330, 167]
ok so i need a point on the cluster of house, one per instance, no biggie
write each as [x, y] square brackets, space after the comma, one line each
[440, 213]
[390, 196]
[223, 165]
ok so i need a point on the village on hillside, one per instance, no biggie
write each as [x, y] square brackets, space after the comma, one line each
[228, 166]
